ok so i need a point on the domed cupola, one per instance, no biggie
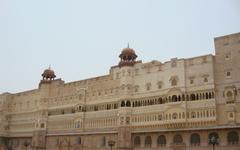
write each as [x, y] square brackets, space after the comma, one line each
[48, 75]
[128, 57]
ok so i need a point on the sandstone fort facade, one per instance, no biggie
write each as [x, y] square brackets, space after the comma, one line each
[175, 105]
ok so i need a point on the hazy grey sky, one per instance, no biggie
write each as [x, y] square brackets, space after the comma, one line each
[83, 38]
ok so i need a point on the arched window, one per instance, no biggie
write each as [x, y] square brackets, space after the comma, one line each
[232, 138]
[200, 96]
[148, 141]
[177, 139]
[128, 104]
[195, 139]
[160, 117]
[160, 100]
[80, 108]
[166, 100]
[155, 101]
[115, 106]
[42, 125]
[206, 95]
[193, 97]
[179, 98]
[108, 106]
[210, 95]
[213, 134]
[137, 141]
[123, 104]
[174, 116]
[161, 140]
[197, 97]
[174, 98]
[229, 95]
[148, 102]
[183, 97]
[203, 96]
[193, 115]
[144, 103]
[134, 104]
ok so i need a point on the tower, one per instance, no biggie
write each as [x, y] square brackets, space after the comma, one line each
[126, 68]
[226, 74]
[41, 115]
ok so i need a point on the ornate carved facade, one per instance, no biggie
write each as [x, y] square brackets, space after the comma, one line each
[178, 104]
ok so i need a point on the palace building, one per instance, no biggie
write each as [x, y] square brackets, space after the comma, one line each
[182, 104]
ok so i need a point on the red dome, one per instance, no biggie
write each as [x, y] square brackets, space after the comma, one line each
[48, 74]
[128, 53]
[128, 57]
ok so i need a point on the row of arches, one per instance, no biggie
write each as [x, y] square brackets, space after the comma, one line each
[137, 103]
[161, 140]
[204, 113]
[195, 139]
[98, 107]
[174, 98]
[102, 107]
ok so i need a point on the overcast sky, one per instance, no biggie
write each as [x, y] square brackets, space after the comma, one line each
[83, 38]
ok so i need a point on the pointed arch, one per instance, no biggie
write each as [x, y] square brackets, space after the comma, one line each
[161, 140]
[195, 139]
[148, 141]
[137, 141]
[232, 138]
